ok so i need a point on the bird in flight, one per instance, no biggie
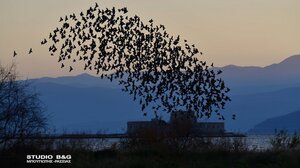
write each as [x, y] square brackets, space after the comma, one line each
[30, 51]
[15, 54]
[233, 116]
[44, 41]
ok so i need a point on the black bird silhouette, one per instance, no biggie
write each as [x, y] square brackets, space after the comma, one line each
[30, 51]
[44, 41]
[15, 54]
[71, 69]
[233, 116]
[125, 10]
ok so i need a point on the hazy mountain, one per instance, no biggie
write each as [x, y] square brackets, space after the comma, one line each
[83, 80]
[253, 79]
[87, 108]
[87, 102]
[289, 122]
[98, 108]
[241, 80]
[252, 109]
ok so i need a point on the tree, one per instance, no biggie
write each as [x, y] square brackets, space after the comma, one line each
[21, 112]
[161, 71]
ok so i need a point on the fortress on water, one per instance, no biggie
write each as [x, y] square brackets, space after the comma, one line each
[180, 122]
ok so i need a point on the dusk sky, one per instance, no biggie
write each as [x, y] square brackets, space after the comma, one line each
[246, 33]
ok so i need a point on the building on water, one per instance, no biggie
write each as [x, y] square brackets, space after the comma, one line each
[183, 123]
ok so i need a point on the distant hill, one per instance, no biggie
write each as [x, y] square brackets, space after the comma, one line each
[73, 108]
[83, 80]
[86, 102]
[253, 79]
[289, 122]
[252, 109]
[92, 108]
[241, 80]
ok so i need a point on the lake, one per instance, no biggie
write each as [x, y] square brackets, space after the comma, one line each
[258, 142]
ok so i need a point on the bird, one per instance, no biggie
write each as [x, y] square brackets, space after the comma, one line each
[44, 41]
[125, 10]
[71, 69]
[233, 116]
[15, 54]
[30, 51]
[62, 65]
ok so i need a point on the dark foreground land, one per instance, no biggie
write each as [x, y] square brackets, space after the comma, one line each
[158, 153]
[157, 159]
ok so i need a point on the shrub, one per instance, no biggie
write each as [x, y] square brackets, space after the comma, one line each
[284, 141]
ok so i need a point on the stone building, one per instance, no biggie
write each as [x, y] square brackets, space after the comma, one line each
[182, 123]
[137, 126]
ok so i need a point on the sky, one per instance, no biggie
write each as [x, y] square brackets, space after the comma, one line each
[245, 33]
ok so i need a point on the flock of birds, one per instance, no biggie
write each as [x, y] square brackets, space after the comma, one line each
[161, 71]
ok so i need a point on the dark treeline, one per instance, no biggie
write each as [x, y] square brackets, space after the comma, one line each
[150, 149]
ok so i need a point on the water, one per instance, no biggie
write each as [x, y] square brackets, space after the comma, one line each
[258, 142]
[252, 142]
[255, 142]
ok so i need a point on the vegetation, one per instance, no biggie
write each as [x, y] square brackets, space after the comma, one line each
[21, 112]
[284, 141]
[139, 152]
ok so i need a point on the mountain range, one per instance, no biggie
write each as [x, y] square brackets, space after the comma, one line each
[88, 103]
[289, 122]
[254, 79]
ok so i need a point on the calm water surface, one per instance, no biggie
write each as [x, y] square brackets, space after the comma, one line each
[258, 142]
